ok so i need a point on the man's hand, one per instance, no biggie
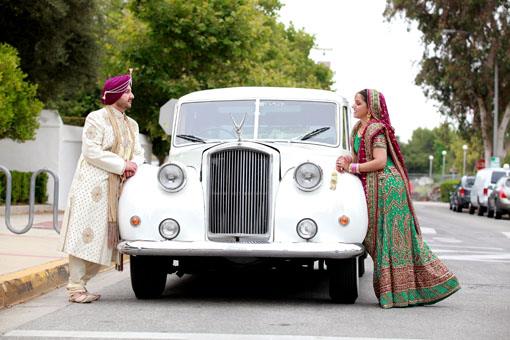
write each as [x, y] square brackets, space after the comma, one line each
[130, 169]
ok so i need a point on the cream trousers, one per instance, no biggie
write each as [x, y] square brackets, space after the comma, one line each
[80, 272]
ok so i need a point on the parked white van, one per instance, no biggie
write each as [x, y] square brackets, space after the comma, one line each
[484, 183]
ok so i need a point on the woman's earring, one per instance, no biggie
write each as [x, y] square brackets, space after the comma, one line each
[369, 116]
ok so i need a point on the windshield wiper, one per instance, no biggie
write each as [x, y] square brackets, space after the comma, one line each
[314, 133]
[191, 138]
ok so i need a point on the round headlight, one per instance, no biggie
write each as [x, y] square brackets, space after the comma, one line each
[306, 228]
[169, 228]
[308, 176]
[172, 177]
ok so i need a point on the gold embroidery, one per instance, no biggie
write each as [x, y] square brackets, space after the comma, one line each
[96, 194]
[88, 235]
[91, 132]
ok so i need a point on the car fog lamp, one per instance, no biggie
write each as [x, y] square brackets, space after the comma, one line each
[172, 177]
[343, 220]
[308, 176]
[306, 228]
[169, 228]
[135, 221]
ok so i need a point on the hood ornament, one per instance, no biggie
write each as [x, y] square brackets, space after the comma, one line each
[238, 127]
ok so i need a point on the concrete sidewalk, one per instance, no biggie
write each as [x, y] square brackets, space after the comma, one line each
[30, 264]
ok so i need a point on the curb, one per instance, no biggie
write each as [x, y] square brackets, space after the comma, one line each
[26, 284]
[29, 283]
[23, 209]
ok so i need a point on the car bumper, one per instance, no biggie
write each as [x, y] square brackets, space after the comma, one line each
[279, 250]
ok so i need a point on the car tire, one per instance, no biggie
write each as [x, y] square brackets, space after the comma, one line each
[481, 210]
[497, 213]
[459, 208]
[343, 280]
[148, 276]
[471, 209]
[361, 265]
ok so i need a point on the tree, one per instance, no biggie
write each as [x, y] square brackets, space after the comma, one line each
[425, 142]
[463, 41]
[56, 40]
[178, 46]
[19, 109]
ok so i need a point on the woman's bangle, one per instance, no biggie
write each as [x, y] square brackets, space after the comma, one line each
[354, 168]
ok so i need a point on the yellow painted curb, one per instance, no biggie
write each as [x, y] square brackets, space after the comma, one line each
[23, 285]
[26, 284]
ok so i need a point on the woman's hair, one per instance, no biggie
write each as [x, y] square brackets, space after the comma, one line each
[364, 94]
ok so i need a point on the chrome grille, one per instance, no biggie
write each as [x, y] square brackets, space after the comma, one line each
[239, 192]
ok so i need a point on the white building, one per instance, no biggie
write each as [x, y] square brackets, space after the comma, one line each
[56, 147]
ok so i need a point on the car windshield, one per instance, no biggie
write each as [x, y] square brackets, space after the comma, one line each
[298, 120]
[497, 175]
[275, 120]
[215, 120]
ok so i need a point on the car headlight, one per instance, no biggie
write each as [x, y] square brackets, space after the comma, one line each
[169, 228]
[172, 177]
[306, 228]
[308, 176]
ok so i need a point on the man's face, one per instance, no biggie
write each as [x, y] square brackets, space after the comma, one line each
[124, 102]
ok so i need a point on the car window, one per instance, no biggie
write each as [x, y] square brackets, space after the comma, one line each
[292, 120]
[469, 182]
[496, 175]
[215, 120]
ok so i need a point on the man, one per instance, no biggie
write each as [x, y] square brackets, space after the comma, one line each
[111, 152]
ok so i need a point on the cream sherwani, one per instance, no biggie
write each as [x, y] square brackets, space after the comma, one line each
[84, 232]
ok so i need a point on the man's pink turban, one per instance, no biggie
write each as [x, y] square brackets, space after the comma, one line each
[114, 88]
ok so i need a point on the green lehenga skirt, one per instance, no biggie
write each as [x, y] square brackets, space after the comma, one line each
[406, 272]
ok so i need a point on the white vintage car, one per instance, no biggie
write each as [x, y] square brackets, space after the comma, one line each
[250, 179]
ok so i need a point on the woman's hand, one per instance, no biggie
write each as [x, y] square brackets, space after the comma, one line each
[343, 163]
[130, 169]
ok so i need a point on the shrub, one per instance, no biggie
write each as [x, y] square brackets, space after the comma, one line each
[21, 187]
[447, 187]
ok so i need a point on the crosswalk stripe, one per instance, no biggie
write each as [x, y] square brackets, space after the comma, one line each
[425, 230]
[167, 336]
[506, 233]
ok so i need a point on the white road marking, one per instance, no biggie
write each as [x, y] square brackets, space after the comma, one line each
[506, 233]
[498, 258]
[447, 240]
[471, 247]
[171, 336]
[425, 230]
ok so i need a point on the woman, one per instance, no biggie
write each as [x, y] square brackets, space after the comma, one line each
[406, 272]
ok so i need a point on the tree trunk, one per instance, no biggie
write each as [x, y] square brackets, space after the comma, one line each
[500, 146]
[487, 143]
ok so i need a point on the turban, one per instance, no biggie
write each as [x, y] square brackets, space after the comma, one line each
[114, 88]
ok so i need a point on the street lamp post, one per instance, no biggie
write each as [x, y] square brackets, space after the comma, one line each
[444, 157]
[465, 148]
[431, 158]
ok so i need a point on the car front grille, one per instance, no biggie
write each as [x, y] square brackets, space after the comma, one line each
[239, 193]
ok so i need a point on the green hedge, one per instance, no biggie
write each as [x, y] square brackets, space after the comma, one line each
[21, 187]
[446, 188]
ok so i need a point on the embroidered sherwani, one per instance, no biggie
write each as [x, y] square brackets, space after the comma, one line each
[84, 231]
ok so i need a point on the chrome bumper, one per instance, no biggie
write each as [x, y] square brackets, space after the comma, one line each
[281, 250]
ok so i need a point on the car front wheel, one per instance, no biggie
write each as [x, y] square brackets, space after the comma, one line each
[148, 276]
[343, 280]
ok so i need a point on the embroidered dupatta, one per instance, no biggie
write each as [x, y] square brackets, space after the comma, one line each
[379, 125]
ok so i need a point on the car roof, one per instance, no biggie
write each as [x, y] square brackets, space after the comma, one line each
[282, 93]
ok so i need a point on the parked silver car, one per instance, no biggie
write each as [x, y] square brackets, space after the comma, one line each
[499, 199]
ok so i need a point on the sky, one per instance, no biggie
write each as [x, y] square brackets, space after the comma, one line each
[368, 52]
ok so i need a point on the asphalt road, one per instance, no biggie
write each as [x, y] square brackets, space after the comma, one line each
[288, 306]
